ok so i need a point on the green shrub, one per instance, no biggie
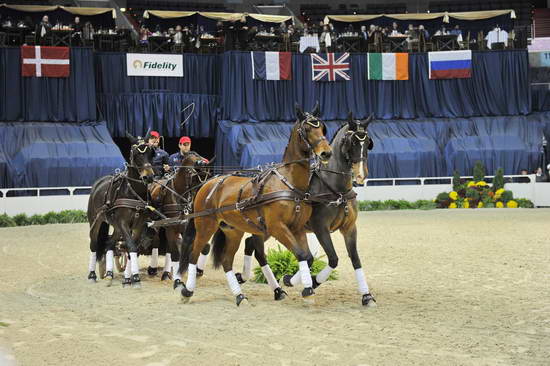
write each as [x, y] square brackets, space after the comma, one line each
[37, 220]
[525, 203]
[507, 196]
[284, 262]
[456, 181]
[479, 171]
[21, 220]
[6, 221]
[498, 180]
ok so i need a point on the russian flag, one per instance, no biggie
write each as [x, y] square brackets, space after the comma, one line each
[450, 64]
[271, 65]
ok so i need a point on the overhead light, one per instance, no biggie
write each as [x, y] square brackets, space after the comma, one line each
[123, 9]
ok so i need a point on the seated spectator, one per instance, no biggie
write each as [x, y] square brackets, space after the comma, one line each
[88, 33]
[456, 31]
[177, 38]
[144, 34]
[442, 32]
[372, 29]
[77, 32]
[540, 176]
[364, 34]
[524, 172]
[326, 39]
[423, 31]
[219, 30]
[394, 30]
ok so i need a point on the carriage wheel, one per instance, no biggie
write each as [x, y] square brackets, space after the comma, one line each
[102, 268]
[120, 262]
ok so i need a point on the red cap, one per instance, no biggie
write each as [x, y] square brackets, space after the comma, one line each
[185, 139]
[154, 134]
[205, 160]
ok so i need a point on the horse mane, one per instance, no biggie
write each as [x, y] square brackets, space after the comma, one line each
[291, 132]
[337, 132]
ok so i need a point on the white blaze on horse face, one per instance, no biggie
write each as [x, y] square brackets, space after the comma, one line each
[360, 177]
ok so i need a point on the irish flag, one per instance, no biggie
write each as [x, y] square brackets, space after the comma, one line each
[388, 66]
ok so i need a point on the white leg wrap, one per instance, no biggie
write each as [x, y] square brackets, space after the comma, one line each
[201, 262]
[233, 283]
[176, 275]
[247, 267]
[127, 270]
[134, 262]
[323, 275]
[167, 262]
[93, 260]
[270, 277]
[109, 261]
[296, 279]
[154, 258]
[313, 243]
[305, 274]
[361, 281]
[191, 277]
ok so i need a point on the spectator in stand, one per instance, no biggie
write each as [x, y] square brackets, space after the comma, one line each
[442, 32]
[423, 31]
[372, 29]
[177, 38]
[77, 32]
[394, 30]
[219, 30]
[412, 36]
[325, 39]
[43, 29]
[456, 31]
[88, 33]
[144, 34]
[540, 176]
[523, 172]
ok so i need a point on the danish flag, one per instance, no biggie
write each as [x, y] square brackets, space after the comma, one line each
[45, 61]
[330, 69]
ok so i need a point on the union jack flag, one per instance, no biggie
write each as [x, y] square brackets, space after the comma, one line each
[335, 67]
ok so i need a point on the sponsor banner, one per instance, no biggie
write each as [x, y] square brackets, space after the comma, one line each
[146, 64]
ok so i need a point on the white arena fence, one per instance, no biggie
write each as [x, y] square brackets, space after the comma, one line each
[32, 201]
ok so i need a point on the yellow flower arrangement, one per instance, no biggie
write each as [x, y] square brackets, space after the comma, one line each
[499, 204]
[452, 205]
[512, 204]
[499, 193]
[471, 184]
[466, 204]
[480, 204]
[481, 184]
[453, 195]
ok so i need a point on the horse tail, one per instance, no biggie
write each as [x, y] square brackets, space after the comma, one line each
[218, 247]
[187, 246]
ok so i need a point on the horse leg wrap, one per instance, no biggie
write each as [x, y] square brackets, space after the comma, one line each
[191, 277]
[176, 270]
[201, 262]
[167, 262]
[127, 270]
[296, 279]
[134, 262]
[109, 261]
[324, 274]
[233, 283]
[154, 258]
[93, 261]
[247, 268]
[270, 277]
[361, 281]
[305, 275]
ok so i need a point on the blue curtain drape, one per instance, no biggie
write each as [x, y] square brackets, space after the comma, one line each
[499, 86]
[201, 75]
[137, 112]
[419, 148]
[541, 97]
[37, 154]
[71, 99]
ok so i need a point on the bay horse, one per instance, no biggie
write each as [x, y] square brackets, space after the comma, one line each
[176, 197]
[120, 201]
[269, 204]
[334, 206]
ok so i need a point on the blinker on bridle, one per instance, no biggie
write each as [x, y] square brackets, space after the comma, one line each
[315, 123]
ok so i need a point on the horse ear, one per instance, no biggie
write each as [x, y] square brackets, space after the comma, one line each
[132, 139]
[367, 122]
[211, 161]
[352, 125]
[299, 112]
[316, 110]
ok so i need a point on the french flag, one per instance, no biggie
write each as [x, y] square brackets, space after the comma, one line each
[450, 64]
[271, 65]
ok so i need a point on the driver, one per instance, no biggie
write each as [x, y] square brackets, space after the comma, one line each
[177, 159]
[160, 160]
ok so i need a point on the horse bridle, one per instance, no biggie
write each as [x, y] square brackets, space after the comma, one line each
[315, 123]
[362, 139]
[140, 149]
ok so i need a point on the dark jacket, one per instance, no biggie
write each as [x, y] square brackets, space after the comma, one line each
[161, 157]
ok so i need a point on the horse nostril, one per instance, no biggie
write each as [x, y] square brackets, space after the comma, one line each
[325, 155]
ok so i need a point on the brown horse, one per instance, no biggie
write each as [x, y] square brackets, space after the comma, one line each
[270, 204]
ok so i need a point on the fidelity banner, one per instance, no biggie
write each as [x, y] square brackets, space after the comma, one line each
[143, 64]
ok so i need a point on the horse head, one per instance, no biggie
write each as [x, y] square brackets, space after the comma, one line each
[141, 157]
[356, 145]
[312, 131]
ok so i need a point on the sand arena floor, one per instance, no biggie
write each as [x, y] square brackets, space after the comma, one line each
[457, 287]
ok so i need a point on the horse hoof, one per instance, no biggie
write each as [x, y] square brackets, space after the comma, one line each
[92, 277]
[177, 283]
[240, 278]
[185, 294]
[109, 278]
[200, 272]
[152, 271]
[315, 283]
[279, 294]
[368, 301]
[136, 281]
[165, 276]
[286, 280]
[241, 300]
[307, 295]
[126, 282]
